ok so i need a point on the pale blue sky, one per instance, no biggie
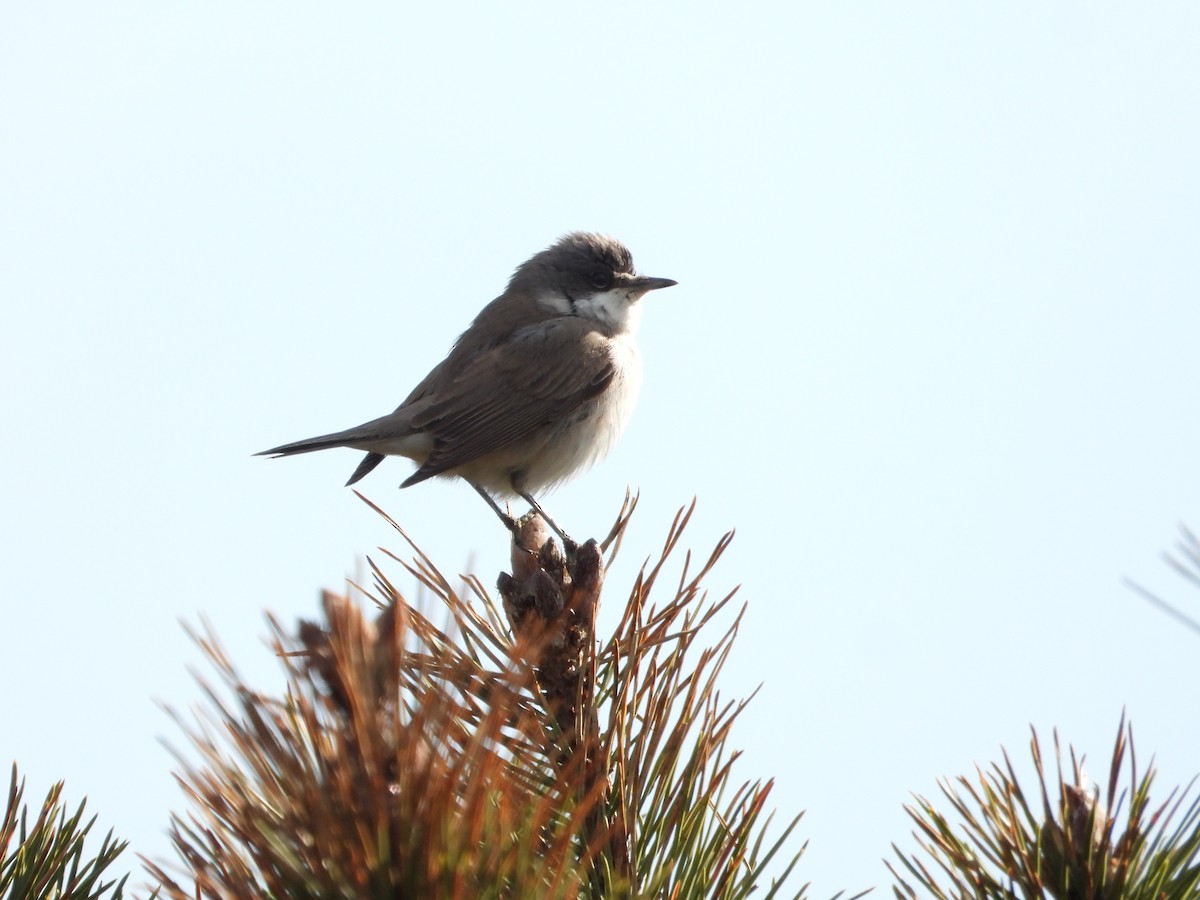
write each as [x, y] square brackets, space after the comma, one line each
[932, 353]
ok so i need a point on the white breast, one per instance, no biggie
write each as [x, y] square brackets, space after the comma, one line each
[590, 434]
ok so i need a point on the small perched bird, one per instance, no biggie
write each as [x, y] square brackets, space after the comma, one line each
[538, 387]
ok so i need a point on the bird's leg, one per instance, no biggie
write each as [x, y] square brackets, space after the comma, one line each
[509, 522]
[568, 544]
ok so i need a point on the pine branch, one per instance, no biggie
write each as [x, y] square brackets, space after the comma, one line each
[49, 858]
[1063, 844]
[510, 754]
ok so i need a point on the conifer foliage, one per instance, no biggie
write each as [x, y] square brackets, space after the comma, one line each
[1067, 839]
[512, 753]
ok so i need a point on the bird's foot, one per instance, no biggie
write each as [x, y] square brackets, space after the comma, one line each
[570, 548]
[569, 545]
[511, 524]
[535, 529]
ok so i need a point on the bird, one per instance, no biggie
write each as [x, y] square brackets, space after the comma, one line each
[538, 387]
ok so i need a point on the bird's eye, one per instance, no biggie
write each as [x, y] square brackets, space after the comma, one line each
[601, 278]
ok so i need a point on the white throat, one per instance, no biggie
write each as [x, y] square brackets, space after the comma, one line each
[612, 308]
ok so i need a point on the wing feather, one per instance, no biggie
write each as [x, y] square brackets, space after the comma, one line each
[508, 393]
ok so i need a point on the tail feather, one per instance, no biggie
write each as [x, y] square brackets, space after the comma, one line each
[369, 462]
[386, 433]
[324, 442]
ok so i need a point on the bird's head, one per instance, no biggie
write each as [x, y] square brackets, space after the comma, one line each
[587, 275]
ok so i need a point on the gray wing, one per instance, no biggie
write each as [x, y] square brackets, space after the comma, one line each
[540, 376]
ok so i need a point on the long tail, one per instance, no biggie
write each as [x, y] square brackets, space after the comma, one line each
[325, 442]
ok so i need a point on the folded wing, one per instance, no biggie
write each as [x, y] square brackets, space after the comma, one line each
[508, 393]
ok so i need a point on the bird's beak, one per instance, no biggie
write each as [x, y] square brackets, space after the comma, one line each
[640, 284]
